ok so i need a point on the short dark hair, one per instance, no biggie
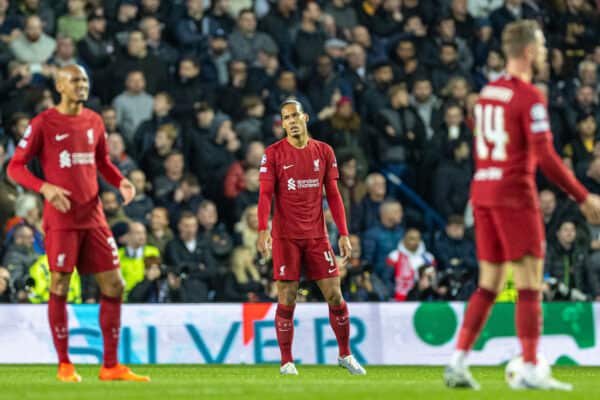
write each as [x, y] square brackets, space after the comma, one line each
[186, 215]
[289, 101]
[246, 11]
[456, 219]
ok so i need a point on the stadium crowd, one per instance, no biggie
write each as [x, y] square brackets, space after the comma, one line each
[189, 91]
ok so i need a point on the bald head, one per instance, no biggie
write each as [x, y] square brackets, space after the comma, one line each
[72, 83]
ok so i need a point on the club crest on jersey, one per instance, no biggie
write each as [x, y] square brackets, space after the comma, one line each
[316, 165]
[60, 260]
[291, 184]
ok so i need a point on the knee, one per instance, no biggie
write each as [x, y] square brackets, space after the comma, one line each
[115, 288]
[334, 296]
[287, 295]
[60, 286]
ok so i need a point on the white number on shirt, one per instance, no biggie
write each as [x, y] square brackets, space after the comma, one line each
[490, 129]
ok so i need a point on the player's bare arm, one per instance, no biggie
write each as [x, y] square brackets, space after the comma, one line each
[57, 196]
[263, 244]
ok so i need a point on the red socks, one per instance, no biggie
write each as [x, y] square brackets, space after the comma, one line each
[476, 315]
[340, 323]
[528, 320]
[110, 324]
[57, 316]
[284, 326]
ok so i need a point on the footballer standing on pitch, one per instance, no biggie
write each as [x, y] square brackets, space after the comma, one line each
[70, 142]
[294, 170]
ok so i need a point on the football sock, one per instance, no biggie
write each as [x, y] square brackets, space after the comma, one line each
[58, 318]
[476, 315]
[528, 322]
[110, 324]
[284, 326]
[340, 323]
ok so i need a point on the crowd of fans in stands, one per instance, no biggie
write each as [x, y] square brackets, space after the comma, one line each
[189, 91]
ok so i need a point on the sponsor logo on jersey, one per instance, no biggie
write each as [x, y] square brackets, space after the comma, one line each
[316, 165]
[263, 170]
[291, 184]
[67, 160]
[488, 174]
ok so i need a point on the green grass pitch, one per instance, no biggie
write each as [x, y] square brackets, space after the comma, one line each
[171, 382]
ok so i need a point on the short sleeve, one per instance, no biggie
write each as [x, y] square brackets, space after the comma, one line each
[267, 166]
[535, 117]
[331, 171]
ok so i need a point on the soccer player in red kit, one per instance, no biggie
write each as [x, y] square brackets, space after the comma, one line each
[70, 142]
[294, 170]
[513, 137]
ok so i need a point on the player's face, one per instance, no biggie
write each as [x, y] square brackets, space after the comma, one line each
[75, 86]
[294, 120]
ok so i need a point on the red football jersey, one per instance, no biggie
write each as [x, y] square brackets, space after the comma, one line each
[299, 175]
[512, 135]
[70, 149]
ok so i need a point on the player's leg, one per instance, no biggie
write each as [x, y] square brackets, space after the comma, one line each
[528, 273]
[321, 267]
[99, 256]
[62, 249]
[286, 271]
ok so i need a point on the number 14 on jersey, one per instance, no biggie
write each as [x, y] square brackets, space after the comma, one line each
[489, 130]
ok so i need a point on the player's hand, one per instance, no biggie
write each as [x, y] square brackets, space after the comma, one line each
[591, 209]
[263, 245]
[57, 196]
[127, 191]
[345, 248]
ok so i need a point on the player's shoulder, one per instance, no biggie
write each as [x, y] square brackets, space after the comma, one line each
[88, 113]
[509, 89]
[320, 144]
[275, 146]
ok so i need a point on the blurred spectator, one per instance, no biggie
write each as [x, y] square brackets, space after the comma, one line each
[186, 196]
[220, 13]
[456, 259]
[74, 23]
[191, 266]
[214, 233]
[355, 72]
[512, 10]
[28, 211]
[569, 275]
[554, 212]
[109, 117]
[116, 152]
[448, 67]
[359, 284]
[427, 104]
[153, 288]
[372, 45]
[591, 176]
[153, 160]
[366, 213]
[585, 103]
[352, 188]
[141, 206]
[427, 288]
[235, 181]
[286, 87]
[452, 180]
[152, 29]
[165, 184]
[37, 283]
[325, 88]
[580, 150]
[446, 33]
[243, 283]
[8, 198]
[133, 255]
[375, 97]
[451, 130]
[18, 124]
[252, 126]
[112, 209]
[406, 60]
[382, 239]
[134, 105]
[249, 196]
[280, 24]
[493, 68]
[161, 115]
[193, 28]
[309, 41]
[344, 15]
[65, 52]
[137, 58]
[401, 135]
[159, 232]
[413, 247]
[188, 88]
[245, 41]
[463, 20]
[215, 63]
[20, 255]
[33, 47]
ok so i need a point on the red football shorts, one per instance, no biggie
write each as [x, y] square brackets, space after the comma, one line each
[91, 250]
[508, 234]
[315, 255]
